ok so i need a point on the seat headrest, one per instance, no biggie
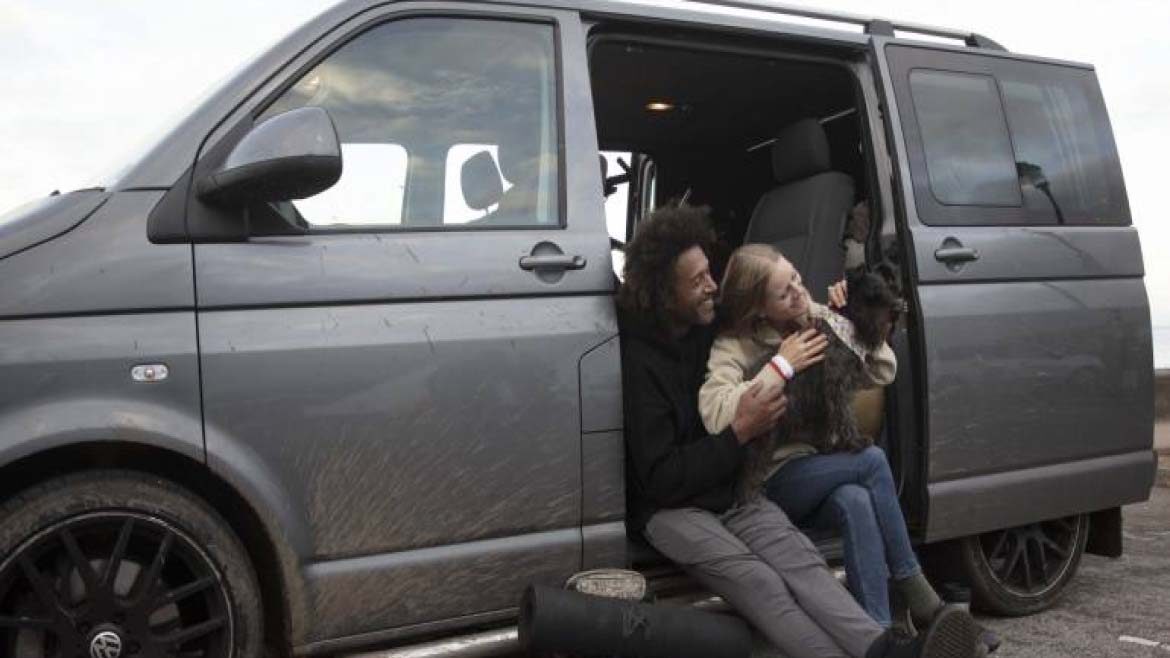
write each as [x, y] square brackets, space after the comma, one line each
[800, 150]
[480, 180]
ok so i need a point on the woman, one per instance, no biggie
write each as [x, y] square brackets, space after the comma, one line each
[764, 338]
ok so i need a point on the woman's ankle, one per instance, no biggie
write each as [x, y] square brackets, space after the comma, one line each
[919, 597]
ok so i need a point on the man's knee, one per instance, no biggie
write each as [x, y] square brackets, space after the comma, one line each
[743, 579]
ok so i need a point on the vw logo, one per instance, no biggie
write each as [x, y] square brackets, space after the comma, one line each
[106, 644]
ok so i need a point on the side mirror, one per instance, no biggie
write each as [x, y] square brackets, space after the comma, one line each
[289, 156]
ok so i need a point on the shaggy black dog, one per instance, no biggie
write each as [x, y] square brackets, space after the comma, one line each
[820, 399]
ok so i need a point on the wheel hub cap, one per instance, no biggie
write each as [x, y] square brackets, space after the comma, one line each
[105, 644]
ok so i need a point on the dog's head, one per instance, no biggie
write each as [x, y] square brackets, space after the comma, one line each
[873, 305]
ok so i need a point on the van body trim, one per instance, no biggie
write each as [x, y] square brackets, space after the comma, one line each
[974, 505]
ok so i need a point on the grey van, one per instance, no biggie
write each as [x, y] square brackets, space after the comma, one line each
[335, 364]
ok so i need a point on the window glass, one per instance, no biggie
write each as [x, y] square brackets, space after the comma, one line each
[999, 141]
[1063, 159]
[617, 207]
[616, 203]
[964, 135]
[370, 191]
[440, 126]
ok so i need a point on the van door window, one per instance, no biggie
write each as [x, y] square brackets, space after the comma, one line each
[370, 191]
[440, 127]
[964, 134]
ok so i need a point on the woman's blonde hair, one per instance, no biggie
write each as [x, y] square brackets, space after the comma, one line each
[744, 290]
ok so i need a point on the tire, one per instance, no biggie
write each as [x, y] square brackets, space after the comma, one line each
[123, 563]
[1022, 571]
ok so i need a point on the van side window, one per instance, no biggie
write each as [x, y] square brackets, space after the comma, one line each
[964, 134]
[995, 141]
[440, 127]
[1063, 149]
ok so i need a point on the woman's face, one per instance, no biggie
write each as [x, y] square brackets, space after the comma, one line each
[786, 300]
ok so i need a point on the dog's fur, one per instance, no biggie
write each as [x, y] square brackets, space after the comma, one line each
[820, 399]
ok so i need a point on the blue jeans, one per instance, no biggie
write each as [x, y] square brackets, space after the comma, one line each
[852, 493]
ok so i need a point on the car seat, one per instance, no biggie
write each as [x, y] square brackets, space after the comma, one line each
[804, 215]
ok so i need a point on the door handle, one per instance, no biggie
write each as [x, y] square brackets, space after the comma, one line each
[956, 254]
[552, 262]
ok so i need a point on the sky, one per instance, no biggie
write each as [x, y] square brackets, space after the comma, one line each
[85, 83]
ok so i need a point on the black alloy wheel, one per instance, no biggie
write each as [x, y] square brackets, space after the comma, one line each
[123, 579]
[1023, 570]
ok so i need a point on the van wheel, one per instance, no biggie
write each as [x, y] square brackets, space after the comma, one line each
[1021, 571]
[116, 563]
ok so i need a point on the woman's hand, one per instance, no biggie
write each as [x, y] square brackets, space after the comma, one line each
[838, 295]
[803, 349]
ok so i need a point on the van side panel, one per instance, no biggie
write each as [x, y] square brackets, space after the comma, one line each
[603, 484]
[1027, 374]
[67, 380]
[1017, 497]
[76, 314]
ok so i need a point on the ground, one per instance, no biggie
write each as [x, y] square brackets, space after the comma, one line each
[1113, 608]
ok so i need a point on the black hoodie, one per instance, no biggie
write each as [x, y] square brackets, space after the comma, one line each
[671, 461]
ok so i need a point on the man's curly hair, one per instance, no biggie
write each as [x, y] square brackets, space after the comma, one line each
[650, 257]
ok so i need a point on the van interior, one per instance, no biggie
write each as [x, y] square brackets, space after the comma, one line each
[771, 139]
[740, 130]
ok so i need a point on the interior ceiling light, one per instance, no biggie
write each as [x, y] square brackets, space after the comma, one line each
[659, 106]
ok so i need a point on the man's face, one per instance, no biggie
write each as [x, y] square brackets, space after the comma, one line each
[694, 289]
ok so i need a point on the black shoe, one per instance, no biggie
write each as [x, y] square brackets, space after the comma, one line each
[951, 634]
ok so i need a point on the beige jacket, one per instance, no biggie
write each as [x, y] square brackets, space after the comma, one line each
[737, 362]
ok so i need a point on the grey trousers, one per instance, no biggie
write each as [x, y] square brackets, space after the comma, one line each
[772, 574]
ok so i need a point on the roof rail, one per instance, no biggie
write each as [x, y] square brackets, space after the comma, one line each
[872, 25]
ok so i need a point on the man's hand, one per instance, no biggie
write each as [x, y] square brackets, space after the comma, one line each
[838, 295]
[803, 349]
[758, 412]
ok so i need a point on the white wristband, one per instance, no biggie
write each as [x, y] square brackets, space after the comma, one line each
[784, 366]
